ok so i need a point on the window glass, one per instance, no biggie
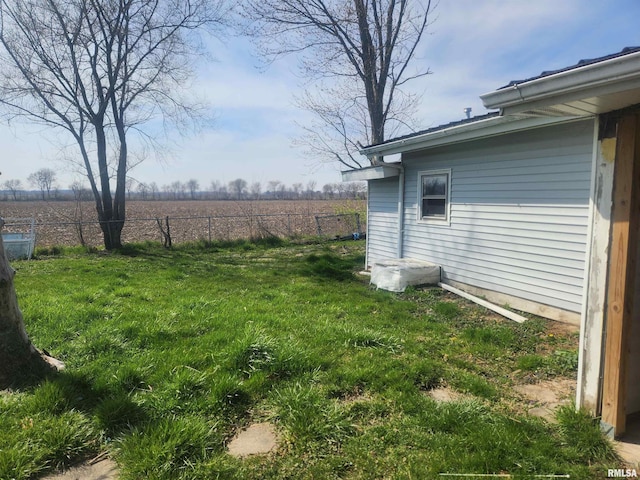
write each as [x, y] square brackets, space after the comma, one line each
[435, 195]
[434, 185]
[434, 207]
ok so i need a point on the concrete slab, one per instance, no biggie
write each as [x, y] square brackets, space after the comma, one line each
[103, 469]
[259, 438]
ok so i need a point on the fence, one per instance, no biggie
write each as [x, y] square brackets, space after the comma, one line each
[181, 229]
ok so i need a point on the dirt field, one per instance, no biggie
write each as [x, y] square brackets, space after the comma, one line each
[59, 223]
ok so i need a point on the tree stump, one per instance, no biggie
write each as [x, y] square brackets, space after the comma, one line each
[20, 361]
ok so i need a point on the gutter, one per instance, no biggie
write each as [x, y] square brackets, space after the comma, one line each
[489, 127]
[616, 70]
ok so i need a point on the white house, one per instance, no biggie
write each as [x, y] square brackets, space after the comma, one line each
[537, 206]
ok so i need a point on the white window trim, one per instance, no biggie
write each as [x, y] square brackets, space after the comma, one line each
[435, 220]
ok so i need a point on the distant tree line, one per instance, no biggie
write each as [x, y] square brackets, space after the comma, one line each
[44, 181]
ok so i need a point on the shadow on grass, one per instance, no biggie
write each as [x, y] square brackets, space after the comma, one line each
[112, 408]
[329, 266]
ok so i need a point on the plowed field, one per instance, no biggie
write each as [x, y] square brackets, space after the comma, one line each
[60, 223]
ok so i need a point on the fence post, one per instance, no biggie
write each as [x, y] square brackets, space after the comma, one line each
[209, 219]
[358, 223]
[289, 224]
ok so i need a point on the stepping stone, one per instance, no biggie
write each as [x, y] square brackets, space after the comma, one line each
[258, 439]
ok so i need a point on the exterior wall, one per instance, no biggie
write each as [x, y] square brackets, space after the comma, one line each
[519, 213]
[382, 220]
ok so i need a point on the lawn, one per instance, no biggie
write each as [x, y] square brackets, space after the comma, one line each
[170, 353]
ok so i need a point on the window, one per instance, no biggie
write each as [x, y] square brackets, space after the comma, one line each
[434, 195]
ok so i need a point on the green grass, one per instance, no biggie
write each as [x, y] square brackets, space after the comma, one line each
[170, 352]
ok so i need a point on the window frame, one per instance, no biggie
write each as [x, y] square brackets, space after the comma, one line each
[438, 220]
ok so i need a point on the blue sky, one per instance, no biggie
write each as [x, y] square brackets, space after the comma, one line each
[473, 47]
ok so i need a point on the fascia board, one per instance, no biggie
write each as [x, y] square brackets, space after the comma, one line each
[611, 75]
[462, 133]
[376, 172]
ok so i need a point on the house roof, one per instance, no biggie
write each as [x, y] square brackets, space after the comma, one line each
[483, 126]
[439, 128]
[589, 87]
[581, 63]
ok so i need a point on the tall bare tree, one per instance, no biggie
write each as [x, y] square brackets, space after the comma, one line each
[358, 53]
[193, 186]
[14, 187]
[238, 187]
[44, 180]
[100, 70]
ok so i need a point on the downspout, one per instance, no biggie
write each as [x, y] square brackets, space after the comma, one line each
[400, 211]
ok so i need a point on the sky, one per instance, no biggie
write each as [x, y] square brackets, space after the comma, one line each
[472, 47]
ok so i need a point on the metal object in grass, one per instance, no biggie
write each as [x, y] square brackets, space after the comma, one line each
[20, 239]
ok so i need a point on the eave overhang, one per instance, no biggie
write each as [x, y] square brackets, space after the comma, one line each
[591, 89]
[375, 172]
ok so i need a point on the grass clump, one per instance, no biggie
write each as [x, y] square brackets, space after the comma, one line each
[168, 448]
[169, 352]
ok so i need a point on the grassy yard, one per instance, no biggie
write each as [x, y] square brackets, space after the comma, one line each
[170, 353]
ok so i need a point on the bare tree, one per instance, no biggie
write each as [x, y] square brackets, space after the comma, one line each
[256, 190]
[14, 187]
[329, 190]
[100, 70]
[129, 184]
[79, 190]
[238, 187]
[143, 190]
[153, 189]
[193, 186]
[311, 188]
[44, 180]
[273, 187]
[358, 53]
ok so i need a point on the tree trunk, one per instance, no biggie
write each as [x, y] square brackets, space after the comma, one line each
[20, 361]
[111, 232]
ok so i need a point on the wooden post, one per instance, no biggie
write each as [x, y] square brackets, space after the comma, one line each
[622, 269]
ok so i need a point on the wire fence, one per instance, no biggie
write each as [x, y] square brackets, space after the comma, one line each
[182, 229]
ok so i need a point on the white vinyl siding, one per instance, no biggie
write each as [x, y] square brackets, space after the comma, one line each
[382, 219]
[519, 206]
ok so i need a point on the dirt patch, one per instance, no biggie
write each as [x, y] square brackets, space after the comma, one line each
[258, 439]
[561, 328]
[543, 398]
[446, 394]
[97, 469]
